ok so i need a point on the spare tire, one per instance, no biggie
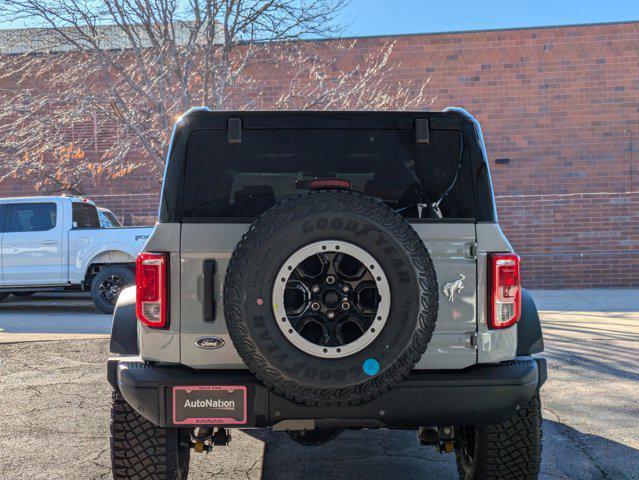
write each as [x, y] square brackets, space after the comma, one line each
[330, 298]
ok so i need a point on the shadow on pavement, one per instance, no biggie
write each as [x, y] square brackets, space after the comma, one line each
[571, 454]
[44, 307]
[587, 300]
[594, 358]
[49, 302]
[397, 455]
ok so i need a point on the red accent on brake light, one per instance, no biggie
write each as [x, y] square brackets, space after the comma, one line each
[505, 290]
[336, 183]
[151, 289]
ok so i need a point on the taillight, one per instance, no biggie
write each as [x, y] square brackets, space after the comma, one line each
[150, 278]
[505, 290]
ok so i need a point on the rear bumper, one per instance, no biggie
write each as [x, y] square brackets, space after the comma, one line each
[482, 394]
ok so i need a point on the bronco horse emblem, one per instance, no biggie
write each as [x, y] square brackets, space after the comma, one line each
[456, 286]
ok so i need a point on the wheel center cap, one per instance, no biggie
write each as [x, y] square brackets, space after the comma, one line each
[331, 298]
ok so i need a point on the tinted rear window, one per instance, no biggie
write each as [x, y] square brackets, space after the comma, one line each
[85, 215]
[30, 217]
[225, 182]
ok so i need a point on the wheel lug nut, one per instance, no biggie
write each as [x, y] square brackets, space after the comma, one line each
[330, 315]
[330, 279]
[346, 289]
[346, 305]
[315, 306]
[315, 289]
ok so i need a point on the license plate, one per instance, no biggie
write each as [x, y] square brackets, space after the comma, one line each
[209, 405]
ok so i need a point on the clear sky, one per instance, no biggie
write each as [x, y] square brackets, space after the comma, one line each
[378, 17]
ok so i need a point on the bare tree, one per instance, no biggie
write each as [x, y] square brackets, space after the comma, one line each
[106, 79]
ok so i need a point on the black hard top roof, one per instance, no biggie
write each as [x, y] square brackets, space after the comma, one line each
[449, 119]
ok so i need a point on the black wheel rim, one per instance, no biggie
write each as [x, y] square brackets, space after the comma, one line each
[333, 307]
[331, 299]
[110, 288]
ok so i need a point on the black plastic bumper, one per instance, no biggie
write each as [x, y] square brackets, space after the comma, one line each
[482, 394]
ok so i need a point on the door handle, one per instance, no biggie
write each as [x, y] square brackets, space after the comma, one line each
[208, 302]
[48, 242]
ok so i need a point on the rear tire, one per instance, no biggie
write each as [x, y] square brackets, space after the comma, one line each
[141, 450]
[504, 451]
[107, 285]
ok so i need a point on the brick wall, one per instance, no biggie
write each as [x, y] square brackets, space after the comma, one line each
[131, 209]
[561, 103]
[582, 239]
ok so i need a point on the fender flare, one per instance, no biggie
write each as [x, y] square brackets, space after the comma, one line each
[124, 331]
[95, 256]
[529, 335]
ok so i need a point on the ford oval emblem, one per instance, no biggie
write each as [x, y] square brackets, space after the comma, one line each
[209, 343]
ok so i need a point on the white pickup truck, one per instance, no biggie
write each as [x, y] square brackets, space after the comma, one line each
[57, 243]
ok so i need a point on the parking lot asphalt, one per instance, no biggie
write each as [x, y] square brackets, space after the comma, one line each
[53, 312]
[54, 409]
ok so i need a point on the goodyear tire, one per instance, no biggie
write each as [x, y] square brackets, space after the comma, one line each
[330, 298]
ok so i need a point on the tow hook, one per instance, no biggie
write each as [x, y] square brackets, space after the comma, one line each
[441, 437]
[204, 438]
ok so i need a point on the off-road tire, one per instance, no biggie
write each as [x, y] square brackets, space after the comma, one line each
[125, 273]
[318, 217]
[506, 451]
[143, 451]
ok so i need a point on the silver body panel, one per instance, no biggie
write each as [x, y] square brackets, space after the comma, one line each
[449, 244]
[164, 345]
[492, 345]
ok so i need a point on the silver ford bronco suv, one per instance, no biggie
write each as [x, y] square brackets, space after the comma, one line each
[313, 272]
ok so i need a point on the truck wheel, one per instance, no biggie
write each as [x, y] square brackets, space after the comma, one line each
[107, 285]
[3, 295]
[508, 450]
[143, 451]
[330, 298]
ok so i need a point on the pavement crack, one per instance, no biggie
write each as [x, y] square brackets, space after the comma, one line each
[248, 471]
[555, 414]
[26, 412]
[555, 475]
[568, 432]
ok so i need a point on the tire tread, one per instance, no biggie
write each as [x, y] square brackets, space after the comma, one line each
[510, 450]
[331, 201]
[141, 450]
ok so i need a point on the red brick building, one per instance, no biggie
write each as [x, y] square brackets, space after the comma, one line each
[561, 103]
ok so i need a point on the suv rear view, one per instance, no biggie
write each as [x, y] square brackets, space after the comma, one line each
[314, 272]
